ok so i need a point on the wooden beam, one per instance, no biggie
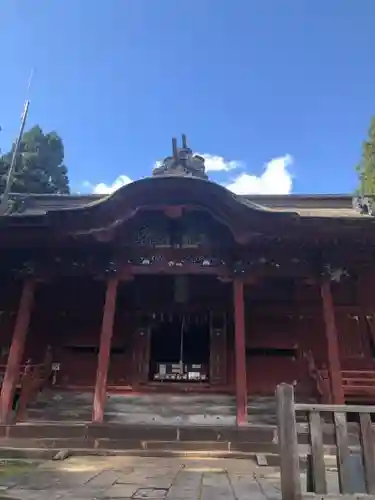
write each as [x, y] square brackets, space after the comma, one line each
[105, 350]
[16, 350]
[240, 352]
[176, 270]
[334, 365]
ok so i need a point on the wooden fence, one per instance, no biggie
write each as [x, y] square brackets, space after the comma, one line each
[347, 468]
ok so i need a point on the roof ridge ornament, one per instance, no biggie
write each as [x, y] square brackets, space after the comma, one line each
[183, 162]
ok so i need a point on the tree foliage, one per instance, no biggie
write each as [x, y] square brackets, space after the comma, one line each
[366, 167]
[40, 165]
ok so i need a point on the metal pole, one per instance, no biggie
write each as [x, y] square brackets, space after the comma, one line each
[11, 171]
[10, 176]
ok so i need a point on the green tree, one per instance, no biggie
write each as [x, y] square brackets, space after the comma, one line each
[40, 165]
[366, 167]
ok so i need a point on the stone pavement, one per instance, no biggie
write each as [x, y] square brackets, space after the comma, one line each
[145, 478]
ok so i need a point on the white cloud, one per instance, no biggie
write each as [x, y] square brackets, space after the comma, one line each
[103, 188]
[276, 179]
[219, 164]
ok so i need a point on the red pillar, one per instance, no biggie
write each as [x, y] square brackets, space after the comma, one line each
[240, 352]
[104, 350]
[334, 366]
[16, 350]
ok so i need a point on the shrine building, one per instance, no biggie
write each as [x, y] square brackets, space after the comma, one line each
[174, 285]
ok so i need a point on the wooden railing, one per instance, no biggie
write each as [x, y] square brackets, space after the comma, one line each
[23, 369]
[32, 378]
[289, 450]
[320, 378]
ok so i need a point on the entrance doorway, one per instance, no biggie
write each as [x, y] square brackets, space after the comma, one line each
[180, 348]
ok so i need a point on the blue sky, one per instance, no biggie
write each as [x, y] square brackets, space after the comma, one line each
[277, 93]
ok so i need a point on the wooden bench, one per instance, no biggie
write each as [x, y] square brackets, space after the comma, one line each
[347, 469]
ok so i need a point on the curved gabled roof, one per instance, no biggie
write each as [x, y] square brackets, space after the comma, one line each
[235, 212]
[305, 205]
[185, 185]
[244, 215]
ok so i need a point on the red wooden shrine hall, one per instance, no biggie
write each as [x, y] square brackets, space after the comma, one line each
[175, 284]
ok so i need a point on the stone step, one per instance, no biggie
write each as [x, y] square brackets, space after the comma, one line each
[157, 409]
[150, 440]
[42, 454]
[72, 397]
[140, 445]
[28, 430]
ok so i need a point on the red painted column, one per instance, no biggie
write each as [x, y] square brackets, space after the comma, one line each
[16, 350]
[240, 352]
[334, 365]
[105, 350]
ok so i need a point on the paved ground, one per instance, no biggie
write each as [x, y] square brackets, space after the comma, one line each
[146, 478]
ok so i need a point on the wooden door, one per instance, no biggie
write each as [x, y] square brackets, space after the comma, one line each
[218, 350]
[141, 355]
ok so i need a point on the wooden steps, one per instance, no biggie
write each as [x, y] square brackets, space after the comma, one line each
[358, 385]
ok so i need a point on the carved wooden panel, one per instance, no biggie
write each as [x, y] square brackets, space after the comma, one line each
[199, 229]
[151, 229]
[149, 236]
[193, 239]
[191, 230]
